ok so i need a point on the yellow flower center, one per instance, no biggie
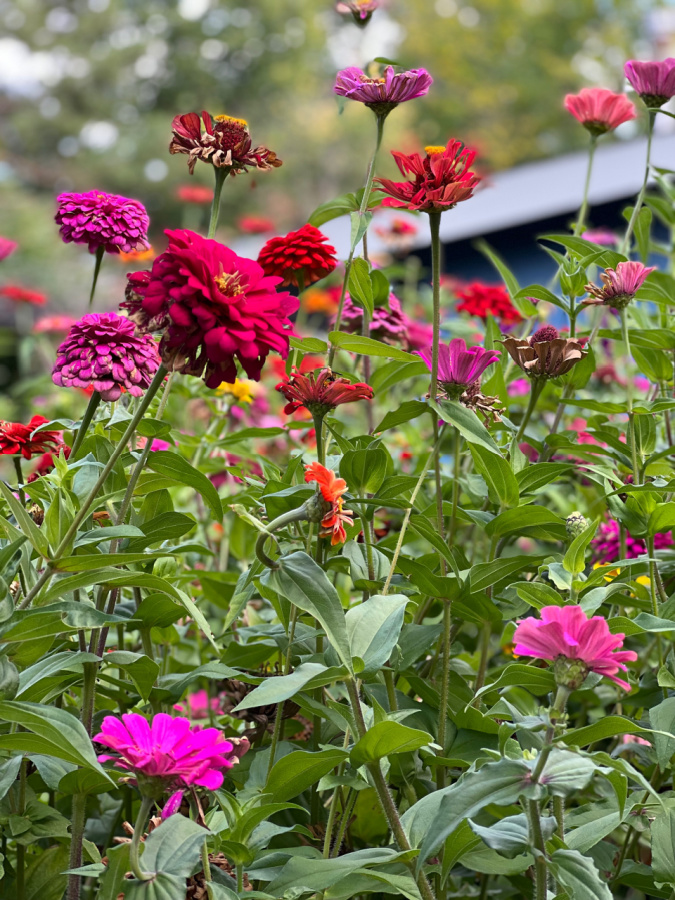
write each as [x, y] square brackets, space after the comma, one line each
[242, 391]
[433, 150]
[229, 285]
[224, 118]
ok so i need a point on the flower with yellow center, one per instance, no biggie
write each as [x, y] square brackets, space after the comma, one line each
[433, 150]
[242, 391]
[224, 118]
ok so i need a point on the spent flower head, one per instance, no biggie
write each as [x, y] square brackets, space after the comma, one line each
[619, 285]
[221, 141]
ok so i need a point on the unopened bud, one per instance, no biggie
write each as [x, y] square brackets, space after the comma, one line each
[316, 507]
[569, 673]
[575, 524]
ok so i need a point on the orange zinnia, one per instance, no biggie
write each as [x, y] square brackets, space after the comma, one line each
[332, 488]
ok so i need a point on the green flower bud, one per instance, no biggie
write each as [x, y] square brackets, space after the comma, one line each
[316, 508]
[167, 567]
[576, 524]
[569, 673]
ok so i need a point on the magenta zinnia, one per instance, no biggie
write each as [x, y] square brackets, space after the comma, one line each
[606, 545]
[224, 142]
[361, 10]
[7, 247]
[319, 392]
[600, 110]
[387, 324]
[385, 93]
[459, 365]
[100, 220]
[215, 308]
[620, 285]
[166, 753]
[578, 645]
[654, 80]
[103, 350]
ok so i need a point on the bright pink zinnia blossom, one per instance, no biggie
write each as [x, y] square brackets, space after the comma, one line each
[459, 365]
[442, 179]
[577, 644]
[620, 285]
[213, 306]
[103, 221]
[382, 94]
[654, 81]
[361, 10]
[602, 236]
[166, 753]
[7, 247]
[600, 110]
[606, 545]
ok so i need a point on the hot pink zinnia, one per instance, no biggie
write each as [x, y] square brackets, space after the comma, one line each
[620, 285]
[459, 365]
[606, 545]
[100, 220]
[600, 110]
[388, 325]
[7, 247]
[577, 644]
[654, 81]
[166, 753]
[103, 350]
[213, 307]
[382, 94]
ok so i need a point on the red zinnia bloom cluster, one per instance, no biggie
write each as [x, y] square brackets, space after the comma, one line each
[18, 294]
[332, 488]
[600, 110]
[224, 143]
[321, 392]
[17, 438]
[442, 179]
[194, 193]
[481, 300]
[302, 255]
[255, 225]
[213, 306]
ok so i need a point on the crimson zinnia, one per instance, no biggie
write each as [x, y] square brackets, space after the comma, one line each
[301, 257]
[481, 300]
[19, 294]
[224, 143]
[103, 221]
[213, 307]
[17, 438]
[320, 392]
[441, 179]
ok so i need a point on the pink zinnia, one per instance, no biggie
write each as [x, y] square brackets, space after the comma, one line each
[382, 94]
[362, 10]
[388, 325]
[620, 285]
[103, 350]
[115, 224]
[459, 365]
[19, 294]
[600, 110]
[577, 644]
[7, 247]
[200, 704]
[167, 753]
[213, 307]
[602, 236]
[54, 324]
[654, 81]
[606, 545]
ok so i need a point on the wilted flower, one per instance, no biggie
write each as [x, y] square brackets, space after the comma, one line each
[441, 179]
[388, 325]
[620, 285]
[225, 143]
[103, 350]
[7, 247]
[18, 294]
[194, 193]
[332, 488]
[300, 258]
[577, 645]
[480, 300]
[321, 392]
[16, 438]
[382, 94]
[361, 10]
[213, 307]
[600, 110]
[545, 354]
[654, 80]
[458, 365]
[101, 220]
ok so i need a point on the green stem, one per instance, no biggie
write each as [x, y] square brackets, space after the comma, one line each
[92, 406]
[320, 444]
[139, 825]
[293, 515]
[629, 401]
[19, 480]
[280, 706]
[537, 837]
[445, 688]
[559, 813]
[89, 671]
[90, 498]
[583, 212]
[625, 246]
[206, 865]
[20, 848]
[240, 878]
[435, 229]
[221, 175]
[332, 814]
[352, 797]
[535, 393]
[78, 818]
[456, 460]
[97, 268]
[390, 684]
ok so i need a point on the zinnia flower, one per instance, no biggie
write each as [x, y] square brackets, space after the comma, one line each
[620, 285]
[54, 325]
[224, 143]
[361, 10]
[332, 488]
[385, 93]
[319, 393]
[606, 545]
[255, 225]
[167, 753]
[300, 258]
[654, 81]
[577, 644]
[418, 334]
[199, 705]
[388, 325]
[545, 354]
[481, 300]
[7, 247]
[18, 294]
[213, 306]
[398, 235]
[17, 438]
[102, 221]
[600, 110]
[194, 193]
[441, 179]
[459, 365]
[103, 350]
[602, 236]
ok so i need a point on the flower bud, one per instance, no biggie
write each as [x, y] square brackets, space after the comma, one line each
[167, 567]
[570, 673]
[316, 508]
[575, 524]
[573, 279]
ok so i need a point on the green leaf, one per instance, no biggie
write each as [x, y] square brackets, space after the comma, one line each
[385, 739]
[306, 677]
[390, 374]
[373, 628]
[295, 772]
[663, 847]
[607, 727]
[484, 575]
[164, 462]
[25, 522]
[114, 532]
[333, 209]
[509, 278]
[160, 887]
[567, 772]
[319, 874]
[58, 519]
[662, 519]
[578, 875]
[44, 878]
[575, 558]
[142, 670]
[309, 345]
[532, 678]
[360, 287]
[498, 475]
[174, 847]
[364, 470]
[662, 718]
[510, 836]
[531, 478]
[367, 346]
[359, 227]
[467, 423]
[537, 521]
[407, 411]
[300, 580]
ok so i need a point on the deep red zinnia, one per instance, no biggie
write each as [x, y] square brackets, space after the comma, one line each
[300, 258]
[18, 294]
[320, 392]
[481, 300]
[17, 438]
[215, 308]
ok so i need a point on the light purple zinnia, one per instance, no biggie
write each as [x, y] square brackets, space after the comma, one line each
[620, 285]
[389, 325]
[458, 365]
[654, 81]
[7, 247]
[100, 220]
[103, 350]
[382, 94]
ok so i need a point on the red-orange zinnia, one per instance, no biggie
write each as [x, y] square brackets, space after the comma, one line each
[332, 488]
